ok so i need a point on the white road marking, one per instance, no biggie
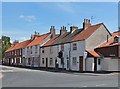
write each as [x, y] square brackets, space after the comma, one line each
[84, 86]
[100, 85]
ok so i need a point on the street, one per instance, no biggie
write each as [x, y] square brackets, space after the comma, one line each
[19, 77]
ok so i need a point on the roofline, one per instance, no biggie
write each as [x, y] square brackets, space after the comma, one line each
[61, 43]
[18, 48]
[38, 36]
[108, 46]
[106, 28]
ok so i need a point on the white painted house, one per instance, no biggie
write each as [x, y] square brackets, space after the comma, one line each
[75, 46]
[32, 50]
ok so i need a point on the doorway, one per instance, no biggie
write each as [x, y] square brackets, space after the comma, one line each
[46, 62]
[81, 63]
[95, 64]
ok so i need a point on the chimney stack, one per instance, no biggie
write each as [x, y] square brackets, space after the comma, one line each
[86, 24]
[36, 34]
[73, 28]
[52, 31]
[15, 42]
[63, 30]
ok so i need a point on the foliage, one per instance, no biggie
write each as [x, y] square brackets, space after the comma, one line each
[4, 45]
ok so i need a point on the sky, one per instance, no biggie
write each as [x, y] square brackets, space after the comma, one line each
[21, 19]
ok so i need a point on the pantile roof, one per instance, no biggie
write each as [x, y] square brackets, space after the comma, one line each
[19, 45]
[111, 40]
[93, 53]
[38, 39]
[67, 37]
[87, 32]
[50, 42]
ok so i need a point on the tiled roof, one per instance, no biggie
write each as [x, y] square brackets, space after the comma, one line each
[51, 41]
[93, 53]
[19, 45]
[86, 33]
[110, 41]
[9, 49]
[60, 37]
[38, 40]
[67, 37]
[117, 33]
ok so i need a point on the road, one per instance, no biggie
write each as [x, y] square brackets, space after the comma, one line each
[19, 77]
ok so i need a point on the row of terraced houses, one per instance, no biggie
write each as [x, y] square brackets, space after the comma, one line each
[90, 48]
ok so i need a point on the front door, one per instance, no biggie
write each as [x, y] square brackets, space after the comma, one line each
[95, 64]
[46, 62]
[81, 63]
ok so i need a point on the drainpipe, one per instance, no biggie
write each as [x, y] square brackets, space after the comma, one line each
[70, 58]
[39, 57]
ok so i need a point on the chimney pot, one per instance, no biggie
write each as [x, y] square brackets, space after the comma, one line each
[86, 23]
[63, 30]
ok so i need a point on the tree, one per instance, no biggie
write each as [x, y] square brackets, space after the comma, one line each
[4, 45]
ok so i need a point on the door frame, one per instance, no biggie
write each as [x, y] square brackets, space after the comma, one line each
[95, 64]
[46, 62]
[81, 63]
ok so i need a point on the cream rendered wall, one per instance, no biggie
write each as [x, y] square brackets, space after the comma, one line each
[77, 53]
[90, 64]
[98, 37]
[49, 52]
[35, 55]
[109, 64]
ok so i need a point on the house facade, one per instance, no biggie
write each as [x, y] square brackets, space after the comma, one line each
[14, 53]
[32, 51]
[73, 46]
[110, 51]
[91, 48]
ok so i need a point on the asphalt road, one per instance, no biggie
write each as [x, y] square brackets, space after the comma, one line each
[17, 77]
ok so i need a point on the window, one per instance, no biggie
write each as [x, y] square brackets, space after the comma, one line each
[15, 52]
[74, 46]
[51, 61]
[20, 51]
[74, 61]
[42, 50]
[42, 60]
[98, 61]
[12, 53]
[62, 47]
[116, 39]
[23, 51]
[29, 61]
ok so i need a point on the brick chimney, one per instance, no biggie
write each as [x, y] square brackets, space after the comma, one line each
[63, 30]
[52, 31]
[86, 24]
[73, 28]
[36, 34]
[15, 42]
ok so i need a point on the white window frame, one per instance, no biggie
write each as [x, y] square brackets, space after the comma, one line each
[74, 61]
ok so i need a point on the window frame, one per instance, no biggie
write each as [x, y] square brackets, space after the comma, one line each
[74, 61]
[74, 46]
[51, 62]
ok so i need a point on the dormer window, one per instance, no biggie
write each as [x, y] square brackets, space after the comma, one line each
[116, 39]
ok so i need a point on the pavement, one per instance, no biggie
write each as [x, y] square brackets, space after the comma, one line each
[20, 77]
